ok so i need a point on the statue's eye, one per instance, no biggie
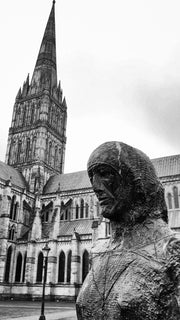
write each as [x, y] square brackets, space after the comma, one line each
[104, 173]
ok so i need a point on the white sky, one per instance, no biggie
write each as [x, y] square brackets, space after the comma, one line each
[119, 65]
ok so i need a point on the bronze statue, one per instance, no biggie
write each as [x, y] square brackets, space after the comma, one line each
[135, 274]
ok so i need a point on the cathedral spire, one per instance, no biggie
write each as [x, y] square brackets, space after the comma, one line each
[45, 72]
[37, 137]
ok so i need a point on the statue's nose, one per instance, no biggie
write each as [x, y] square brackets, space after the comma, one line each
[97, 183]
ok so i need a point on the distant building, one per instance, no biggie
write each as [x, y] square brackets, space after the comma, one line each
[40, 204]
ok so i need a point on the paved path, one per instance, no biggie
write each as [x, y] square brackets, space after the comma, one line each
[28, 310]
[66, 315]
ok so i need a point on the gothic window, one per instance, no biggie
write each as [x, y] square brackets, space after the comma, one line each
[61, 270]
[24, 116]
[24, 267]
[34, 147]
[107, 231]
[87, 210]
[66, 214]
[62, 211]
[60, 158]
[61, 124]
[85, 265]
[18, 268]
[8, 264]
[29, 114]
[50, 114]
[69, 266]
[32, 115]
[19, 150]
[176, 197]
[15, 212]
[97, 208]
[82, 209]
[11, 233]
[55, 157]
[11, 152]
[49, 152]
[77, 211]
[39, 268]
[46, 151]
[169, 197]
[28, 149]
[12, 207]
[18, 112]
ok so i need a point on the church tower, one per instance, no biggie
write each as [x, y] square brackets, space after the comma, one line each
[37, 136]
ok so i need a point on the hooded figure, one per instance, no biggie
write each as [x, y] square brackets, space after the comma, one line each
[134, 275]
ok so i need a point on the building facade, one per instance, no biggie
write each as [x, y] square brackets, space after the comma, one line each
[40, 204]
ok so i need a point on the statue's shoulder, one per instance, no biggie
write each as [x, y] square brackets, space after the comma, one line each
[100, 246]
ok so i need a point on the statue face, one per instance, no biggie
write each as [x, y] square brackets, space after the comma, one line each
[113, 192]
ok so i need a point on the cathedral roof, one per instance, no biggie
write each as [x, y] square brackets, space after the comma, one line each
[82, 226]
[9, 173]
[68, 181]
[167, 166]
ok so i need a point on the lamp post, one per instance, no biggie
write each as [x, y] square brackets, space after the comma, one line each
[46, 250]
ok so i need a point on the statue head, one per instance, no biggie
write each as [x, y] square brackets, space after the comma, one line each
[125, 183]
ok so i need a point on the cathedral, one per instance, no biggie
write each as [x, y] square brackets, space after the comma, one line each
[40, 204]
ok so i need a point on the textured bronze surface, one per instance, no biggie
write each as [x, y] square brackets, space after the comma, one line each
[135, 274]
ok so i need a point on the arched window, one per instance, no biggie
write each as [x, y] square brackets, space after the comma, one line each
[87, 210]
[61, 270]
[169, 197]
[82, 209]
[62, 211]
[77, 211]
[69, 266]
[27, 149]
[32, 114]
[176, 197]
[46, 151]
[49, 152]
[85, 265]
[19, 150]
[18, 268]
[11, 215]
[34, 147]
[60, 159]
[24, 115]
[8, 264]
[11, 233]
[55, 157]
[16, 206]
[108, 230]
[24, 267]
[11, 152]
[97, 208]
[39, 268]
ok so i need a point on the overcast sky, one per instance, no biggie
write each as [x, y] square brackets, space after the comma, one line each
[119, 66]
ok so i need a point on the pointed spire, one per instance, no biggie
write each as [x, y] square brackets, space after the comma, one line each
[64, 102]
[19, 94]
[45, 73]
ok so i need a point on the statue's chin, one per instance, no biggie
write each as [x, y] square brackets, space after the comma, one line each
[108, 213]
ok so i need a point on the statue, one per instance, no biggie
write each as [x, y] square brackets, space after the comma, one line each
[135, 274]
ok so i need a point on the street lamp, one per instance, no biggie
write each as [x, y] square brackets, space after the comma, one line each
[46, 250]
